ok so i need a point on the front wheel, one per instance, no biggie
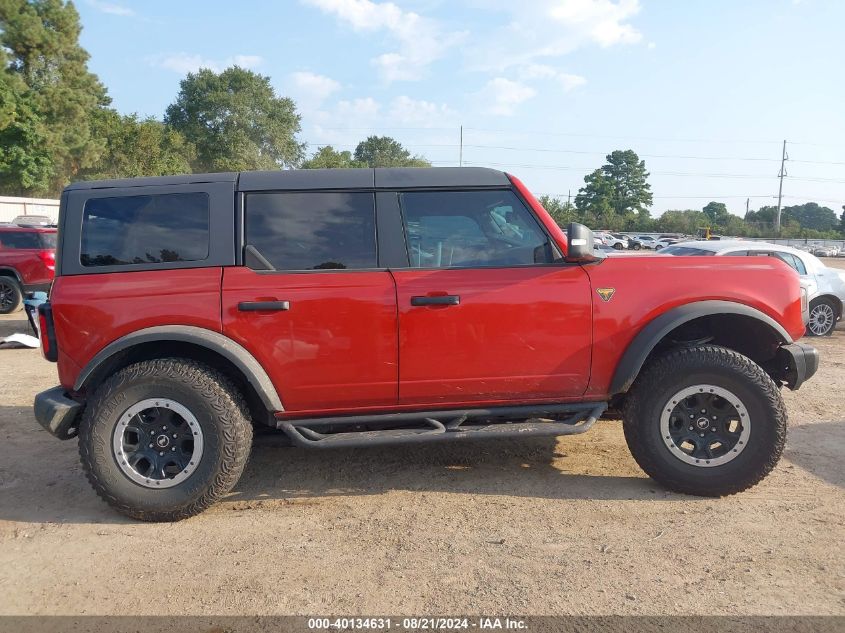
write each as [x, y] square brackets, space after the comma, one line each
[637, 247]
[705, 420]
[822, 318]
[618, 246]
[162, 440]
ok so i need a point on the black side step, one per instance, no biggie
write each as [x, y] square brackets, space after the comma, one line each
[444, 425]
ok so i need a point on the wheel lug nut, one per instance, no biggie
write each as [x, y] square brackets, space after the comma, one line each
[174, 435]
[691, 416]
[173, 449]
[164, 428]
[151, 444]
[713, 429]
[701, 434]
[690, 428]
[704, 410]
[152, 432]
[161, 453]
[714, 417]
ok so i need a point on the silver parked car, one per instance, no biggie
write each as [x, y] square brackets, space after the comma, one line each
[825, 287]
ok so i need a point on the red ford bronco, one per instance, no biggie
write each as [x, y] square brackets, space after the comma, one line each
[362, 307]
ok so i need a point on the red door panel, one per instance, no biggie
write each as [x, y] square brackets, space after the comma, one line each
[335, 348]
[517, 334]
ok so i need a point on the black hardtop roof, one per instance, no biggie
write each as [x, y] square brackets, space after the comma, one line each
[309, 179]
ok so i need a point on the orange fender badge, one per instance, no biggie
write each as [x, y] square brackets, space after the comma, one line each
[606, 293]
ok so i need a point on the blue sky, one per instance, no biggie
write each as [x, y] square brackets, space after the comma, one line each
[704, 90]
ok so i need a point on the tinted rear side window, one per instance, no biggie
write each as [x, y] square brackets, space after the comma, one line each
[20, 240]
[48, 240]
[145, 229]
[313, 231]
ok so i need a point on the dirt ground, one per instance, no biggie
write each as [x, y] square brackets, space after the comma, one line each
[567, 526]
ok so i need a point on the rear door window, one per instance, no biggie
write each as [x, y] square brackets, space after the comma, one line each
[147, 229]
[313, 230]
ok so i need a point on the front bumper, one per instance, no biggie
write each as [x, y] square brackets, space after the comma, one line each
[798, 362]
[57, 413]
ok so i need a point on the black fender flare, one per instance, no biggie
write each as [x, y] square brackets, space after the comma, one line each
[645, 341]
[235, 353]
[9, 269]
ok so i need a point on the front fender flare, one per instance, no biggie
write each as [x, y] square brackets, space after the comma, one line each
[213, 341]
[645, 341]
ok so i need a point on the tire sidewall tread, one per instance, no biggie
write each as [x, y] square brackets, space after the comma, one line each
[223, 417]
[705, 364]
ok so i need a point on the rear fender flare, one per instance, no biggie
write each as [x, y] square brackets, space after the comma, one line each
[235, 353]
[645, 341]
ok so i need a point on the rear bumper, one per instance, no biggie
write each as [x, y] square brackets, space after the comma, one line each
[798, 362]
[57, 413]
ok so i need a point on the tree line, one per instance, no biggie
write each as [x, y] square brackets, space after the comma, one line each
[57, 125]
[617, 197]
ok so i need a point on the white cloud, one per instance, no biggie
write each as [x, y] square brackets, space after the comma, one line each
[111, 8]
[421, 40]
[533, 30]
[548, 73]
[310, 89]
[419, 113]
[503, 96]
[188, 63]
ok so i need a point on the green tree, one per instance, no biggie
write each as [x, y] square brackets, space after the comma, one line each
[812, 216]
[562, 212]
[682, 221]
[617, 195]
[717, 213]
[236, 121]
[138, 148]
[328, 157]
[383, 151]
[25, 163]
[47, 70]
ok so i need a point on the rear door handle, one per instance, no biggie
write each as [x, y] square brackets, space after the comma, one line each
[442, 300]
[262, 306]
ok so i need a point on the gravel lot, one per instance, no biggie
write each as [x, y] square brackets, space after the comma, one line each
[545, 526]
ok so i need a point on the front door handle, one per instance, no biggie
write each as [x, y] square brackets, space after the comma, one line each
[263, 306]
[441, 300]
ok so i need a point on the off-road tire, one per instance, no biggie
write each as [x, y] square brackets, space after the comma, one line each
[220, 410]
[705, 364]
[12, 293]
[823, 301]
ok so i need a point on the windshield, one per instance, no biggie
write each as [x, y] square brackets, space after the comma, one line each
[685, 250]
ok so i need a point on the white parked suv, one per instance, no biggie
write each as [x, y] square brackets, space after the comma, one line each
[619, 242]
[825, 286]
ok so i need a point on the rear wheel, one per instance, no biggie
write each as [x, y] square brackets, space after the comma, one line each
[705, 420]
[164, 439]
[618, 246]
[637, 246]
[822, 317]
[11, 296]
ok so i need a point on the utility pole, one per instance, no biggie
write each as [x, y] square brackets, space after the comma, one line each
[747, 202]
[461, 150]
[782, 173]
[568, 197]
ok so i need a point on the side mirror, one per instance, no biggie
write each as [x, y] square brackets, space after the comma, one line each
[581, 244]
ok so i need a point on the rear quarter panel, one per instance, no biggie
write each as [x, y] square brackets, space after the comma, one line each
[91, 311]
[647, 286]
